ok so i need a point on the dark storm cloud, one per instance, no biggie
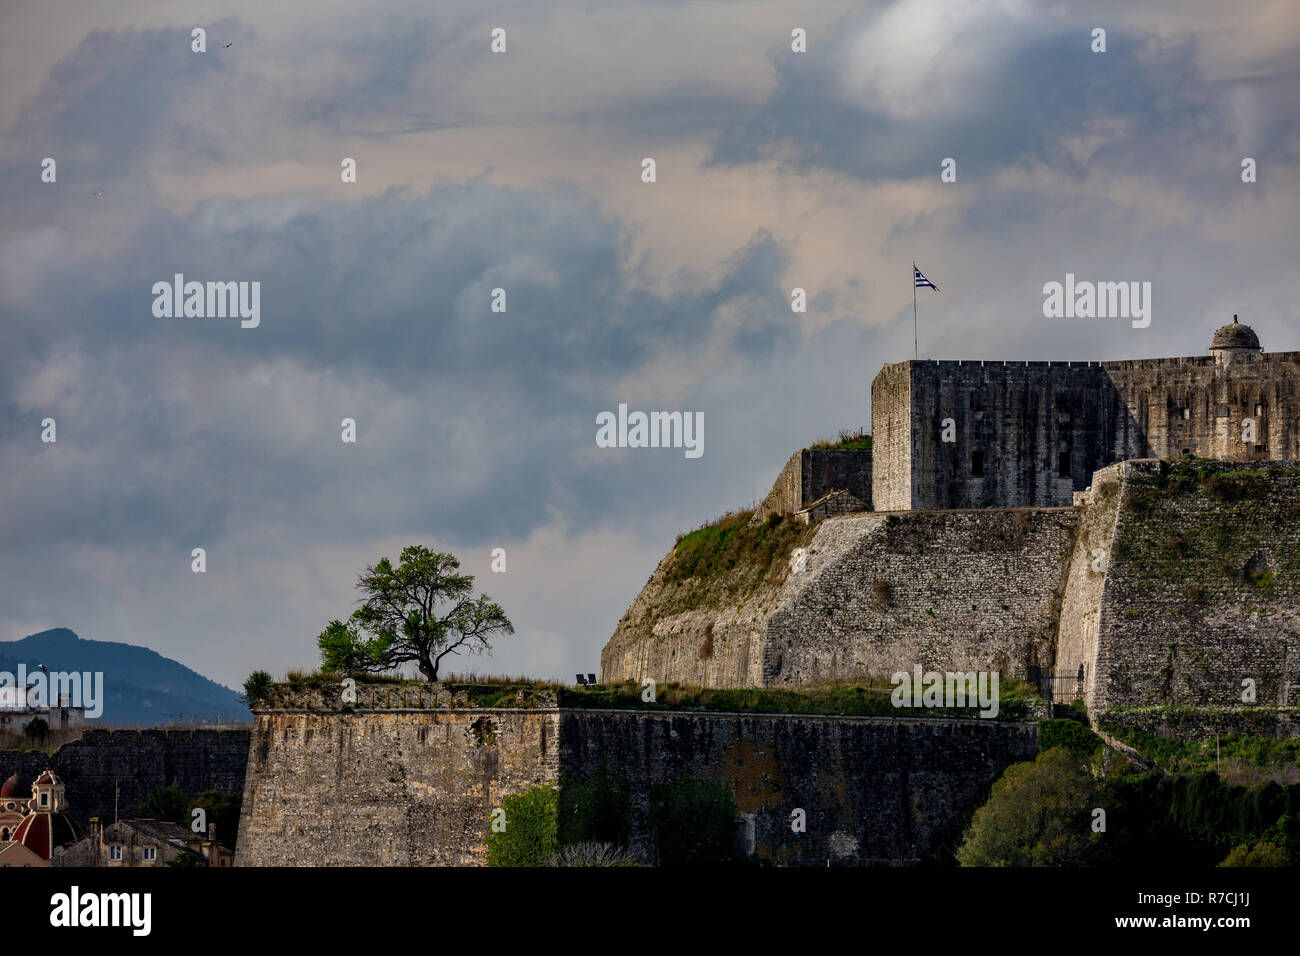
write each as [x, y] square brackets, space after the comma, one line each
[378, 92]
[106, 109]
[403, 282]
[1034, 84]
[390, 296]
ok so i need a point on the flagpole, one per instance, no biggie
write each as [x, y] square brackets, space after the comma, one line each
[916, 352]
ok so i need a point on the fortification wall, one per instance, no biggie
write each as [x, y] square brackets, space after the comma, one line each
[1197, 406]
[811, 473]
[873, 789]
[716, 644]
[1023, 433]
[949, 590]
[418, 787]
[1197, 723]
[836, 469]
[386, 788]
[891, 438]
[1076, 646]
[1203, 586]
[786, 494]
[1032, 433]
[137, 762]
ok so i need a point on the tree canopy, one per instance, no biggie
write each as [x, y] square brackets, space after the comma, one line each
[420, 611]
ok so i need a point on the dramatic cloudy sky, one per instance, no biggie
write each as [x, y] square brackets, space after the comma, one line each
[522, 171]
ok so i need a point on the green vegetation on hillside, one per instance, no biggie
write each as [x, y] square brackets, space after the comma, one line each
[1038, 814]
[1238, 758]
[1069, 734]
[1065, 809]
[726, 561]
[1078, 804]
[862, 699]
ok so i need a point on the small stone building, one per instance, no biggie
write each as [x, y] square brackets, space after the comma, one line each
[144, 842]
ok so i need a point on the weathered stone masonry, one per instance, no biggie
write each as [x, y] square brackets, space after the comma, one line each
[417, 787]
[812, 473]
[387, 788]
[1033, 433]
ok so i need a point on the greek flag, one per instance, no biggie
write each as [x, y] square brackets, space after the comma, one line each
[921, 281]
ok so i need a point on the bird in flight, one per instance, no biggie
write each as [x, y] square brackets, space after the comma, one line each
[228, 45]
[98, 192]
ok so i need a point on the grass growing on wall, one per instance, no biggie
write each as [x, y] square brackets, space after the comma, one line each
[848, 440]
[862, 699]
[1238, 758]
[730, 558]
[1219, 528]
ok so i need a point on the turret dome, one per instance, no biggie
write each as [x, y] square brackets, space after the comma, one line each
[1235, 337]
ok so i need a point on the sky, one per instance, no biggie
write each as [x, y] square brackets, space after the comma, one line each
[523, 170]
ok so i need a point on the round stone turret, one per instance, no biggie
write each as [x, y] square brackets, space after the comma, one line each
[1235, 337]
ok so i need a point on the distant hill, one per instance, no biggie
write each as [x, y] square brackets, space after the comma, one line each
[140, 686]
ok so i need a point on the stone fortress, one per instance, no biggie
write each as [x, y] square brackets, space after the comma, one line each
[1122, 533]
[1126, 532]
[1033, 433]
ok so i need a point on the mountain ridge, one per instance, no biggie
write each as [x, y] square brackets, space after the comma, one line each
[141, 686]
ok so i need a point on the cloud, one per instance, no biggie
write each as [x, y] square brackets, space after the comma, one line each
[476, 429]
[888, 94]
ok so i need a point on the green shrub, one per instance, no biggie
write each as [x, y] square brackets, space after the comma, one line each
[848, 439]
[596, 809]
[256, 688]
[693, 823]
[1259, 854]
[529, 836]
[1070, 734]
[1038, 814]
[166, 803]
